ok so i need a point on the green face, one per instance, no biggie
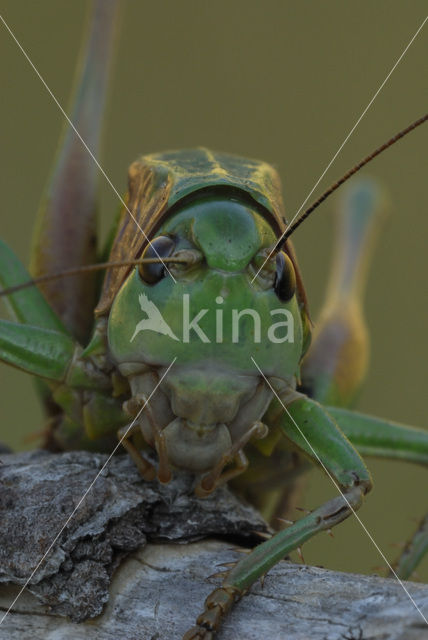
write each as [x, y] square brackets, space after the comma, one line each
[210, 316]
[215, 314]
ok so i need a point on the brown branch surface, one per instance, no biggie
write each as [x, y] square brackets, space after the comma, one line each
[127, 565]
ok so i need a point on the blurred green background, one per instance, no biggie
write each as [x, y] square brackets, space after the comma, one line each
[284, 82]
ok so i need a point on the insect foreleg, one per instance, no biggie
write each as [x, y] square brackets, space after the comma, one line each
[307, 426]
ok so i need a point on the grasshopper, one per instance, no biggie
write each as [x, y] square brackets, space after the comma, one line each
[197, 344]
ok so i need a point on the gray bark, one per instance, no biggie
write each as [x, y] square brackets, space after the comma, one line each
[127, 565]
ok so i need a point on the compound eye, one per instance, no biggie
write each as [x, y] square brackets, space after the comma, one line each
[285, 277]
[160, 247]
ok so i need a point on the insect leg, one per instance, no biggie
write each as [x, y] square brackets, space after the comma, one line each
[27, 306]
[386, 439]
[41, 352]
[65, 233]
[319, 438]
[415, 549]
[382, 438]
[336, 363]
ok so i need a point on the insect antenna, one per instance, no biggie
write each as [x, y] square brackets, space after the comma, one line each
[86, 268]
[292, 228]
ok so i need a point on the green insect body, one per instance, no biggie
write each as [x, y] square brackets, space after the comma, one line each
[226, 396]
[214, 392]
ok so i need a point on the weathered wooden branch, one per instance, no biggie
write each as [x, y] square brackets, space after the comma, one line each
[127, 565]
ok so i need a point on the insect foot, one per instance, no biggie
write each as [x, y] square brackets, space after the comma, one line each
[217, 605]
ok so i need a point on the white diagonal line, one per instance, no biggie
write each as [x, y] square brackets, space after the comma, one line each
[84, 495]
[342, 145]
[43, 81]
[341, 492]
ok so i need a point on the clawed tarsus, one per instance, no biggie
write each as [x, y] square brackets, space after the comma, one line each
[217, 605]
